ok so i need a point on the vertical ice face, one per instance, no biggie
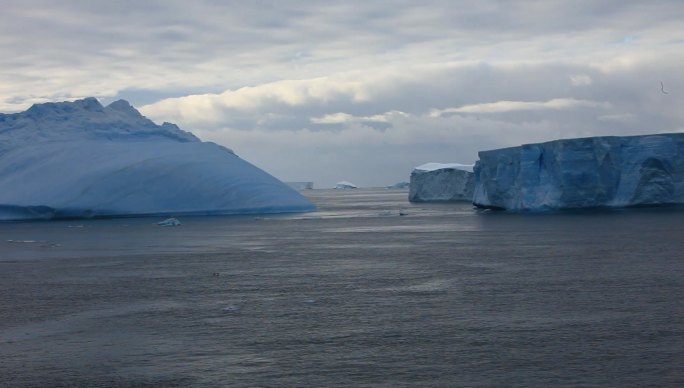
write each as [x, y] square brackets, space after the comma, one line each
[80, 159]
[583, 173]
[437, 182]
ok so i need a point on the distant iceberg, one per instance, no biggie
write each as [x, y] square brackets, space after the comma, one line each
[441, 182]
[170, 222]
[398, 185]
[80, 160]
[301, 185]
[592, 172]
[343, 185]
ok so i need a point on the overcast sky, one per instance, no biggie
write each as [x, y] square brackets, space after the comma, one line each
[361, 91]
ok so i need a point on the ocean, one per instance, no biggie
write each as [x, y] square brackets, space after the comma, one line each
[369, 291]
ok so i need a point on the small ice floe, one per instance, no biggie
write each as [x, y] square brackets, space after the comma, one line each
[391, 213]
[22, 241]
[345, 185]
[430, 286]
[231, 307]
[437, 285]
[309, 300]
[169, 222]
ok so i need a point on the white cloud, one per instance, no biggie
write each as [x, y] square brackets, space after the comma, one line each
[509, 106]
[335, 118]
[619, 117]
[361, 86]
[340, 118]
[201, 109]
[581, 80]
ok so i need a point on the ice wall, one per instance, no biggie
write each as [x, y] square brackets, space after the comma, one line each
[583, 173]
[435, 182]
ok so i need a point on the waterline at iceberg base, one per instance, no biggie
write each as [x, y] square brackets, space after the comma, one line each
[595, 172]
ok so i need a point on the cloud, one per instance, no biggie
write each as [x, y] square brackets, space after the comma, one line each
[289, 93]
[335, 118]
[326, 157]
[581, 80]
[341, 118]
[428, 113]
[91, 48]
[508, 106]
[621, 117]
[358, 88]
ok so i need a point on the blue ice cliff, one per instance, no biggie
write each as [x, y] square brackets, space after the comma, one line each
[80, 159]
[441, 182]
[583, 173]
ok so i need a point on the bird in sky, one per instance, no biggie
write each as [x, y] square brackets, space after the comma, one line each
[662, 87]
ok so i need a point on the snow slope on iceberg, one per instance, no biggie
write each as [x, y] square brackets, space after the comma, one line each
[432, 166]
[80, 120]
[80, 159]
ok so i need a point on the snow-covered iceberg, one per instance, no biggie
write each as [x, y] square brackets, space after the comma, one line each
[440, 182]
[583, 173]
[343, 185]
[80, 159]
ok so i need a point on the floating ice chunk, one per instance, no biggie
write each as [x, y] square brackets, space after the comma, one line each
[345, 185]
[231, 307]
[169, 222]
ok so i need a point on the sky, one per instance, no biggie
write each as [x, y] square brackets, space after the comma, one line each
[361, 91]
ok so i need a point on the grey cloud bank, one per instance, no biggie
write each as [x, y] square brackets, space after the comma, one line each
[362, 91]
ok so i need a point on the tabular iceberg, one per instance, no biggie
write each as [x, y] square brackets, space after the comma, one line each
[80, 159]
[344, 185]
[440, 182]
[591, 172]
[398, 185]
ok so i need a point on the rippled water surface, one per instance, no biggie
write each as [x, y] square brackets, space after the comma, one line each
[368, 291]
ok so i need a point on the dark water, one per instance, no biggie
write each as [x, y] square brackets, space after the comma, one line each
[354, 295]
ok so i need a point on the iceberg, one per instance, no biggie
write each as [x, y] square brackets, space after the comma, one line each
[441, 182]
[343, 185]
[300, 185]
[170, 222]
[398, 185]
[594, 172]
[82, 160]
